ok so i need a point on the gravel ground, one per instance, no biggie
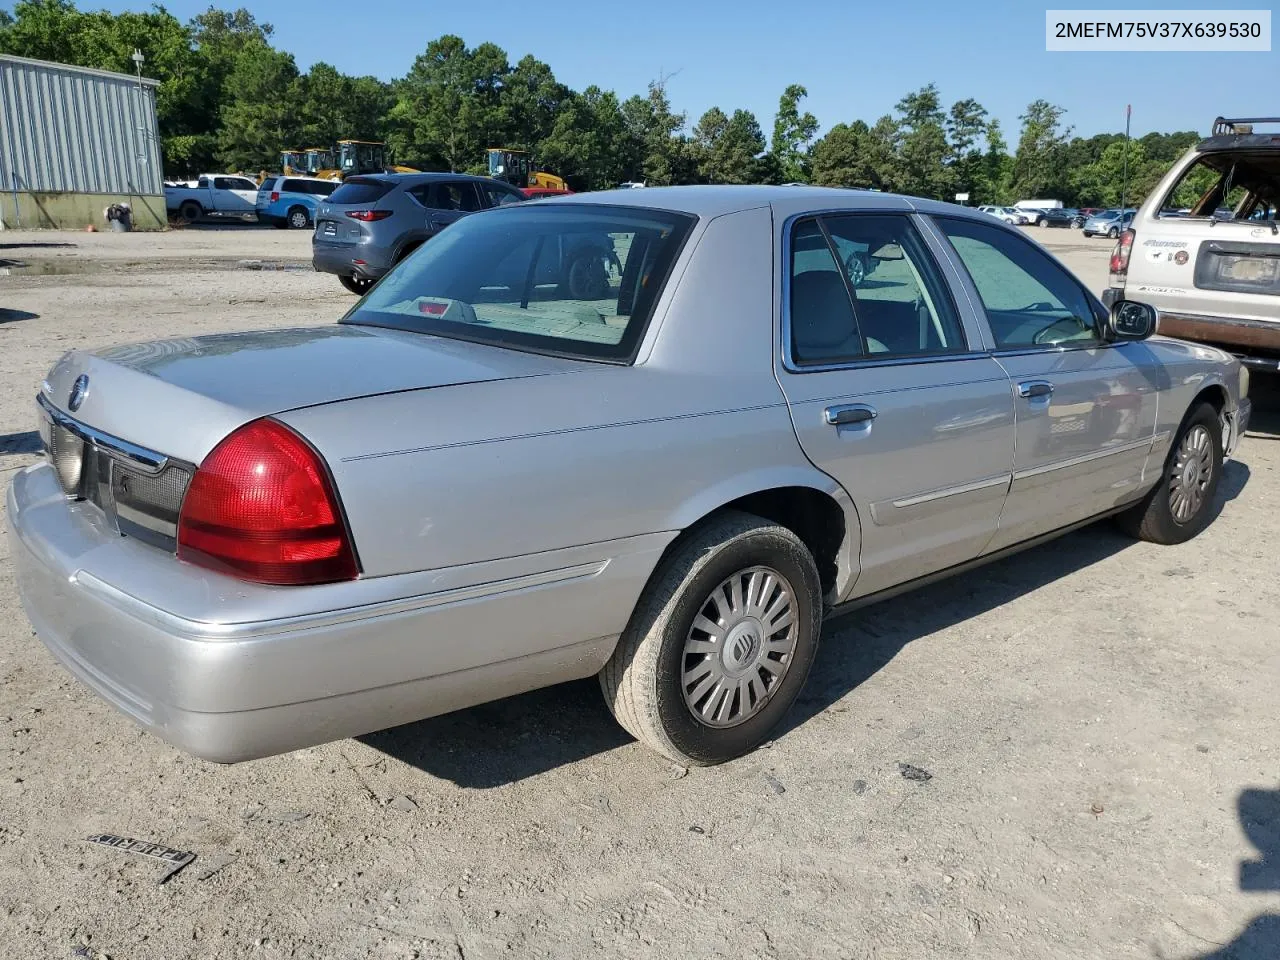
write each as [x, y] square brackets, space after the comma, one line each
[1098, 718]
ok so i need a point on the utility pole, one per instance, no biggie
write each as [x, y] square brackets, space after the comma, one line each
[1124, 179]
[138, 59]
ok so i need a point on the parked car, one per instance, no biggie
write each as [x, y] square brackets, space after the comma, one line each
[1212, 269]
[1031, 208]
[292, 201]
[1053, 217]
[476, 483]
[370, 223]
[1006, 214]
[1108, 223]
[215, 195]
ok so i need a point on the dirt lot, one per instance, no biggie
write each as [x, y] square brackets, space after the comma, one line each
[1099, 718]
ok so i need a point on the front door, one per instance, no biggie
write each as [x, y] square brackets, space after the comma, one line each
[888, 397]
[1085, 409]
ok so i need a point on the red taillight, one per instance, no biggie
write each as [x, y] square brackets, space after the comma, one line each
[275, 195]
[1120, 255]
[261, 507]
[368, 216]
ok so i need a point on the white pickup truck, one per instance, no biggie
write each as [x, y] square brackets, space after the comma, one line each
[212, 195]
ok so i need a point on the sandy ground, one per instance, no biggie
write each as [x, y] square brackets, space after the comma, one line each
[1099, 718]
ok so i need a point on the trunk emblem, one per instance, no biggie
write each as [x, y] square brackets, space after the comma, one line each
[79, 390]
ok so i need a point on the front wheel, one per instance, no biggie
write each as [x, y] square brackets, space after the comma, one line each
[1181, 505]
[1113, 233]
[357, 285]
[720, 643]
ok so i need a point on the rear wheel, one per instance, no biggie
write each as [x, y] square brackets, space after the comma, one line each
[298, 219]
[357, 285]
[1181, 505]
[1042, 222]
[720, 643]
[190, 211]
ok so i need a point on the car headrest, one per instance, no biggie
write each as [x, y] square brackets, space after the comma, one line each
[821, 315]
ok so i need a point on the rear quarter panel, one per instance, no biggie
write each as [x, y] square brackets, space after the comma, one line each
[464, 474]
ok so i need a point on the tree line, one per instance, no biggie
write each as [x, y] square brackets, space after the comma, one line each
[230, 99]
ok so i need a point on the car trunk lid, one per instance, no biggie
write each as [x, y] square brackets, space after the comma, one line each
[181, 397]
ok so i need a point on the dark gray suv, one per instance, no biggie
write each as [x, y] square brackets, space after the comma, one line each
[371, 223]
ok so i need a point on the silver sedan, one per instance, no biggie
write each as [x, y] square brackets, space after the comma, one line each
[665, 469]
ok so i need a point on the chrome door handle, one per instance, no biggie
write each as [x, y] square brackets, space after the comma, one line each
[849, 413]
[1030, 389]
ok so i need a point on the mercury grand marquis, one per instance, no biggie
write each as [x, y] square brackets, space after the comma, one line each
[477, 483]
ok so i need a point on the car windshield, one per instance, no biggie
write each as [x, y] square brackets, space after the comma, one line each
[574, 280]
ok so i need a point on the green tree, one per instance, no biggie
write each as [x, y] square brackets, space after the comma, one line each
[923, 149]
[1038, 166]
[449, 106]
[966, 126]
[338, 107]
[589, 140]
[997, 167]
[531, 99]
[793, 132]
[657, 153]
[262, 114]
[726, 148]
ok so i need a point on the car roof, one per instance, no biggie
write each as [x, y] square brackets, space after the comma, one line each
[716, 200]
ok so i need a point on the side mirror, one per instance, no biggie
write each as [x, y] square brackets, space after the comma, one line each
[1131, 320]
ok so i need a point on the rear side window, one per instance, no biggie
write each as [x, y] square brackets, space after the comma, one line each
[321, 188]
[498, 196]
[572, 280]
[1225, 185]
[294, 186]
[454, 195]
[268, 184]
[361, 190]
[866, 286]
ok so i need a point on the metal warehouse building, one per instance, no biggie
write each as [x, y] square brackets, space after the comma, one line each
[74, 140]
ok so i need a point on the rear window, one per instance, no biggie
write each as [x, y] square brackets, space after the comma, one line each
[1240, 185]
[360, 190]
[572, 280]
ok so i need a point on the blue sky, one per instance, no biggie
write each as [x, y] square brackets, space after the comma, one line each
[856, 59]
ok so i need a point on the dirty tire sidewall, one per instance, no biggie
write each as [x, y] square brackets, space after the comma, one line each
[190, 211]
[662, 621]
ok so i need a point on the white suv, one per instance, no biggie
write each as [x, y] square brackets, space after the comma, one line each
[1204, 248]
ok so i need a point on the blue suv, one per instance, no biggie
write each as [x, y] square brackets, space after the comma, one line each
[291, 201]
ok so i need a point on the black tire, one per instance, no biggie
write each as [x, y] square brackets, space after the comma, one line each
[190, 211]
[585, 277]
[643, 682]
[357, 285]
[298, 218]
[1113, 233]
[1155, 518]
[1088, 233]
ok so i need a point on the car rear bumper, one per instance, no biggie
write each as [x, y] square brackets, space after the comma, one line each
[229, 689]
[340, 258]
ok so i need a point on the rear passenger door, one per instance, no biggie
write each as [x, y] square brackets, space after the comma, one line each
[1085, 409]
[234, 194]
[891, 393]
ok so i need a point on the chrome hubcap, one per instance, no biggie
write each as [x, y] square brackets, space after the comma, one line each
[740, 647]
[857, 270]
[1191, 473]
